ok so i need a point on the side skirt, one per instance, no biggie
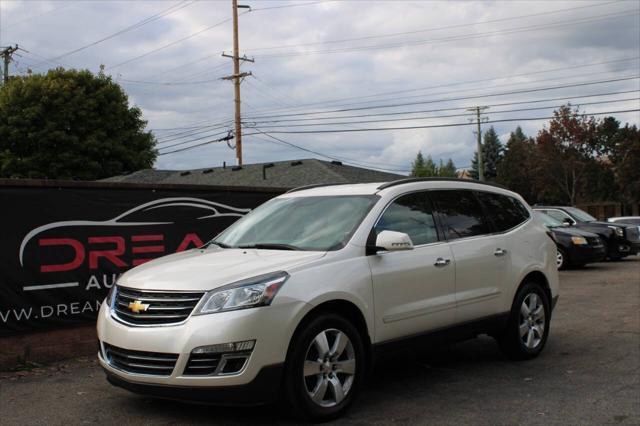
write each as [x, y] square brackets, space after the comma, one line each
[491, 325]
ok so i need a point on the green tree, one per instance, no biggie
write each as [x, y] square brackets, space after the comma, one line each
[70, 124]
[417, 166]
[619, 148]
[565, 154]
[422, 167]
[515, 170]
[447, 169]
[491, 154]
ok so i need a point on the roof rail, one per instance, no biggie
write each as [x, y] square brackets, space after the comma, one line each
[315, 185]
[418, 179]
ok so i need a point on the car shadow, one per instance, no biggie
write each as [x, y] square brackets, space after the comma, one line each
[397, 377]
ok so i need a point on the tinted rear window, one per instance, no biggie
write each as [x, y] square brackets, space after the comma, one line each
[461, 214]
[505, 212]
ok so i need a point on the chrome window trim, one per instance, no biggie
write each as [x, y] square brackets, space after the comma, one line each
[446, 240]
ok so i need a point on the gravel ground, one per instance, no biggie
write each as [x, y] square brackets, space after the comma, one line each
[589, 373]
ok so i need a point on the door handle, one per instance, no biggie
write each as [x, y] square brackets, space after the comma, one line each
[442, 262]
[500, 252]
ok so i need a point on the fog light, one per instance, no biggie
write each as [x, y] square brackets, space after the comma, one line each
[233, 365]
[219, 348]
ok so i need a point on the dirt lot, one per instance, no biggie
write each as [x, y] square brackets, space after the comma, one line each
[589, 373]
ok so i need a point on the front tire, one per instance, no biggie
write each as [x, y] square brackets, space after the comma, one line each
[325, 368]
[527, 328]
[561, 259]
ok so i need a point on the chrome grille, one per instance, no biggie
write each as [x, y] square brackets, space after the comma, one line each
[163, 307]
[632, 233]
[153, 363]
[594, 241]
[202, 364]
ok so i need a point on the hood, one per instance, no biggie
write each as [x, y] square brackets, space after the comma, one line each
[206, 269]
[607, 224]
[573, 232]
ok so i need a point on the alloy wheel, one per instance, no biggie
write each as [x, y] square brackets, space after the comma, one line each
[329, 367]
[532, 321]
[559, 259]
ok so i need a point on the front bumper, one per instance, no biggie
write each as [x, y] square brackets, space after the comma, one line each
[271, 327]
[623, 247]
[263, 389]
[587, 254]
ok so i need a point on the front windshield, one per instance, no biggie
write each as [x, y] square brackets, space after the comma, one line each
[548, 220]
[299, 223]
[581, 215]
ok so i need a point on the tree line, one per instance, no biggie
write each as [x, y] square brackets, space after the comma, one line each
[575, 158]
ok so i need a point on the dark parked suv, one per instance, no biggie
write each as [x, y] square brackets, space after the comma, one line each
[621, 239]
[575, 246]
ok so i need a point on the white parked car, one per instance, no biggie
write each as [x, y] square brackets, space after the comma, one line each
[296, 299]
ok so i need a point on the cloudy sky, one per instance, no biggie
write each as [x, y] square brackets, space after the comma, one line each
[322, 67]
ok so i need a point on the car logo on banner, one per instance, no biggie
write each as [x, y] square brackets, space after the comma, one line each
[101, 250]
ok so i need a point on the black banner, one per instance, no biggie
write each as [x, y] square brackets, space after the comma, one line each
[63, 247]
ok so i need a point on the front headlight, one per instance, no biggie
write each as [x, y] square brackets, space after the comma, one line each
[249, 293]
[579, 241]
[619, 231]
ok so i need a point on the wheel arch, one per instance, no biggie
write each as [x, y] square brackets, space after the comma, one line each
[347, 309]
[536, 277]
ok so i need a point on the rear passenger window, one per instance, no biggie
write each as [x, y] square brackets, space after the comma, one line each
[505, 212]
[411, 214]
[461, 214]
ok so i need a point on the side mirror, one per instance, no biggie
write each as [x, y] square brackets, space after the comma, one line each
[567, 222]
[393, 241]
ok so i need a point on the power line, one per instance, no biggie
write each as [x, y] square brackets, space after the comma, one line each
[292, 5]
[491, 21]
[194, 140]
[438, 116]
[169, 83]
[394, 93]
[380, 114]
[433, 126]
[173, 43]
[331, 157]
[558, 24]
[224, 139]
[395, 105]
[15, 24]
[152, 18]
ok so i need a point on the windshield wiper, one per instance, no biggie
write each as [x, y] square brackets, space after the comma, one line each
[221, 245]
[270, 246]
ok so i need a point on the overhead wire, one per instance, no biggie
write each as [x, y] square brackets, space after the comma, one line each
[431, 101]
[491, 21]
[172, 9]
[559, 24]
[436, 125]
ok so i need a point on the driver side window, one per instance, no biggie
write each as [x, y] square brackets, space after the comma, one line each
[411, 214]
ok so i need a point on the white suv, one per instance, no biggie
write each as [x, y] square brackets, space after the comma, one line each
[295, 300]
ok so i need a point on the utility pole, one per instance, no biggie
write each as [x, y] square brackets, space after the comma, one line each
[478, 110]
[6, 54]
[237, 78]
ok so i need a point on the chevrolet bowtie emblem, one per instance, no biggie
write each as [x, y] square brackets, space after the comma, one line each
[137, 306]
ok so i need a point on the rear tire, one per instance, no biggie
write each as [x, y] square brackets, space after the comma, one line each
[561, 259]
[325, 368]
[527, 328]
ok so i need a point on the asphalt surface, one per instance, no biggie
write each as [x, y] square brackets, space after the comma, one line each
[589, 373]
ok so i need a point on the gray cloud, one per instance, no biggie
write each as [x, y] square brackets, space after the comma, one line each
[286, 84]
